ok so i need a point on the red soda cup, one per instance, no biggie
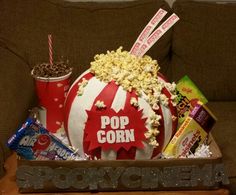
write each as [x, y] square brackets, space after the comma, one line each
[51, 94]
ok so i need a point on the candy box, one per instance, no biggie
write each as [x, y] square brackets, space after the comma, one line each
[192, 133]
[188, 95]
[122, 175]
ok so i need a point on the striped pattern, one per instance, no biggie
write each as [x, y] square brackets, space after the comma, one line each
[116, 98]
[50, 49]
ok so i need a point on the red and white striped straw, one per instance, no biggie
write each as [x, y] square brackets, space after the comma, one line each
[50, 49]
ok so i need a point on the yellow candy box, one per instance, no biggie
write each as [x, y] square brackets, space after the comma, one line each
[191, 133]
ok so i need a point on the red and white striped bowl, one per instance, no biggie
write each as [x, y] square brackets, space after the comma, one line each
[76, 116]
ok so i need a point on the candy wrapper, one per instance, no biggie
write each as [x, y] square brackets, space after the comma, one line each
[192, 133]
[187, 97]
[34, 142]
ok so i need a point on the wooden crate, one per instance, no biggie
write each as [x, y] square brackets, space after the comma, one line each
[123, 175]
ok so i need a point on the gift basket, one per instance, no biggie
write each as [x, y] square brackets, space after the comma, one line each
[120, 126]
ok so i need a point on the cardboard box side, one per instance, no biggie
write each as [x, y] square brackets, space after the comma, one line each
[122, 175]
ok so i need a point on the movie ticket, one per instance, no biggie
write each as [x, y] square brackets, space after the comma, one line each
[157, 34]
[160, 14]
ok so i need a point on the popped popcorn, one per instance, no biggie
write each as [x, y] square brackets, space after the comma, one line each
[148, 134]
[154, 120]
[100, 104]
[155, 106]
[134, 73]
[171, 86]
[164, 100]
[80, 91]
[174, 118]
[134, 102]
[154, 143]
[153, 131]
[81, 86]
[83, 83]
[129, 71]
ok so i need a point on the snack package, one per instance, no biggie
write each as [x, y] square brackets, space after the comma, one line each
[34, 142]
[187, 97]
[191, 133]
